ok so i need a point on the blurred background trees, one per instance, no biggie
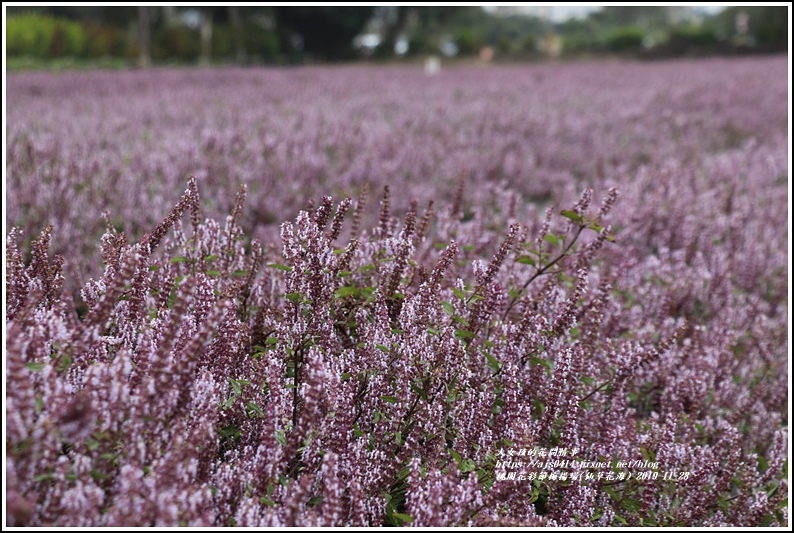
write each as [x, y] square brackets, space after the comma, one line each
[266, 34]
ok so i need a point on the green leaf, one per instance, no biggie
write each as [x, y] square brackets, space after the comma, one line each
[295, 297]
[315, 501]
[492, 362]
[631, 505]
[229, 432]
[210, 258]
[573, 215]
[455, 455]
[271, 340]
[382, 348]
[459, 293]
[460, 320]
[389, 399]
[252, 409]
[235, 386]
[526, 260]
[213, 273]
[550, 237]
[64, 363]
[421, 392]
[464, 334]
[540, 405]
[179, 259]
[341, 292]
[96, 474]
[35, 367]
[537, 361]
[403, 517]
[647, 454]
[239, 273]
[467, 466]
[154, 267]
[280, 267]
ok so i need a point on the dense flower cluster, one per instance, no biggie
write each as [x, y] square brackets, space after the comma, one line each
[81, 143]
[600, 273]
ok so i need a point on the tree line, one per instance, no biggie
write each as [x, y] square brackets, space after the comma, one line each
[149, 34]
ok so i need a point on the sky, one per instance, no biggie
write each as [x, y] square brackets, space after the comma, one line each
[561, 12]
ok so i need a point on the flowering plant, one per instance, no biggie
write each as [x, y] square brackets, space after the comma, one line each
[529, 352]
[368, 383]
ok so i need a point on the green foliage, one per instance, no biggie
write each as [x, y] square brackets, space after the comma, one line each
[690, 40]
[223, 41]
[469, 43]
[103, 40]
[625, 39]
[694, 35]
[327, 32]
[579, 43]
[43, 36]
[767, 26]
[419, 43]
[178, 42]
[262, 43]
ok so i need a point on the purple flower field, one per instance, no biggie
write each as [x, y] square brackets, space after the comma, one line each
[360, 295]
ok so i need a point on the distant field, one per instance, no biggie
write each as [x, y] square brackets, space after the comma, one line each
[80, 143]
[385, 355]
